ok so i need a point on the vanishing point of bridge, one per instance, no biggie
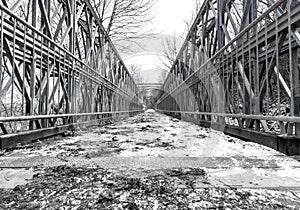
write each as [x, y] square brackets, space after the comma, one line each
[237, 71]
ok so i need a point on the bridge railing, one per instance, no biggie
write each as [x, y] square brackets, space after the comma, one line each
[239, 68]
[58, 68]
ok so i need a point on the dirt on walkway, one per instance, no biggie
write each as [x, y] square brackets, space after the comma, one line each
[150, 161]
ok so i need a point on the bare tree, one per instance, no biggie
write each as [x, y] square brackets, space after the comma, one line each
[163, 75]
[135, 71]
[172, 44]
[124, 19]
[198, 4]
[170, 50]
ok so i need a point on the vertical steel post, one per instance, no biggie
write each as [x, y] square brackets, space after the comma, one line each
[1, 48]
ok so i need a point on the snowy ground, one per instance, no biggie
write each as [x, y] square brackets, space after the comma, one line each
[147, 145]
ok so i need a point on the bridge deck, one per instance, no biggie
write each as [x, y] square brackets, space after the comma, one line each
[155, 142]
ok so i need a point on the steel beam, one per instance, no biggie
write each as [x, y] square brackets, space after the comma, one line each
[249, 60]
[46, 57]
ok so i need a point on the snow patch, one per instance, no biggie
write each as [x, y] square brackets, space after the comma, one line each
[150, 111]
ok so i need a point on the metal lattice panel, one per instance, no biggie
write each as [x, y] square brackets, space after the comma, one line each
[58, 66]
[239, 66]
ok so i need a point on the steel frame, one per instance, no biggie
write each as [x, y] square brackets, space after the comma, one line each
[239, 66]
[58, 67]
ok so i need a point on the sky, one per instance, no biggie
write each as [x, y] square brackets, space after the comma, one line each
[169, 17]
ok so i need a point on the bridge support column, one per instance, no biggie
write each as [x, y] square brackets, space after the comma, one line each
[295, 92]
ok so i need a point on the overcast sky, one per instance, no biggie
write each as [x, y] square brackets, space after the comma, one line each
[170, 15]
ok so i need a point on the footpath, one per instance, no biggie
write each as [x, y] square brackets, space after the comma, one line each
[144, 161]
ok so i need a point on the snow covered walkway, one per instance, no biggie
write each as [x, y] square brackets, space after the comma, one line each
[154, 142]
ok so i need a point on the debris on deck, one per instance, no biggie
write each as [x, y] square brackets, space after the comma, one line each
[150, 161]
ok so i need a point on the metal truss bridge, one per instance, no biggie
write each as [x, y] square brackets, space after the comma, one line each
[237, 71]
